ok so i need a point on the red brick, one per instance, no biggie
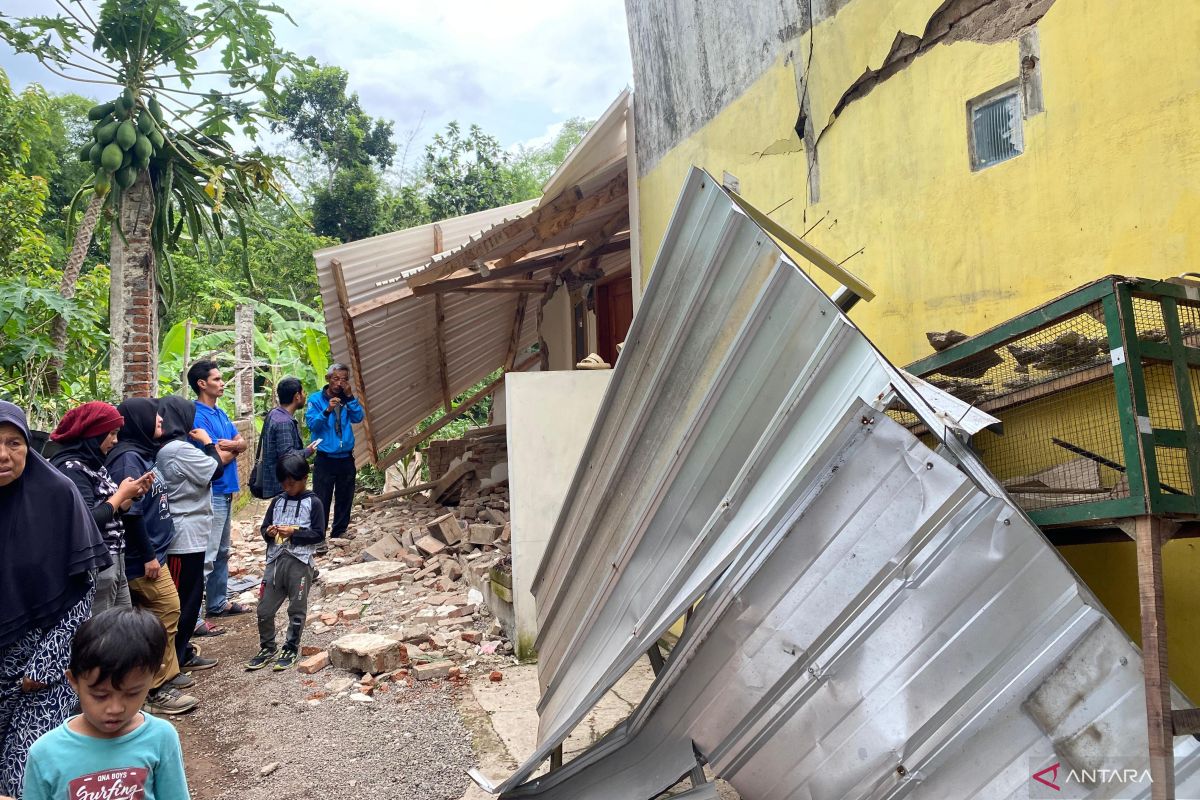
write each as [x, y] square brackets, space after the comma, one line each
[314, 663]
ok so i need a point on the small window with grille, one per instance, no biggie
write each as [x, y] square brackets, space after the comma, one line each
[995, 124]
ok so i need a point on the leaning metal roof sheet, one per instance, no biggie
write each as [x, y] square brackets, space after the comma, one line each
[873, 619]
[400, 376]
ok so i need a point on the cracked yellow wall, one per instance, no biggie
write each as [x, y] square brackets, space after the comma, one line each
[1109, 182]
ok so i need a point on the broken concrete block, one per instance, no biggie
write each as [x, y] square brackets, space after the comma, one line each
[430, 546]
[339, 685]
[434, 669]
[388, 548]
[495, 516]
[313, 664]
[446, 528]
[506, 534]
[483, 534]
[368, 652]
[356, 575]
[411, 560]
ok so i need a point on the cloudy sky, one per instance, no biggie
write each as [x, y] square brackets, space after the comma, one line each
[515, 67]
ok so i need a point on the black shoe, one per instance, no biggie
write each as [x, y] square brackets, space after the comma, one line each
[262, 659]
[181, 681]
[198, 662]
[287, 659]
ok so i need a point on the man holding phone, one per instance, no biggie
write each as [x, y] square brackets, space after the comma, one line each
[331, 416]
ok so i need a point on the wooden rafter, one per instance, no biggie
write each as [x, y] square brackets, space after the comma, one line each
[613, 225]
[411, 443]
[339, 280]
[546, 228]
[394, 296]
[504, 286]
[439, 334]
[529, 265]
[514, 338]
[548, 220]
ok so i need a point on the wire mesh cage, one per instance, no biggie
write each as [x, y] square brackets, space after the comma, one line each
[1097, 395]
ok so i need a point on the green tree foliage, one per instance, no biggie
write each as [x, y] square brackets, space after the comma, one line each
[349, 209]
[146, 51]
[29, 297]
[317, 113]
[281, 255]
[467, 172]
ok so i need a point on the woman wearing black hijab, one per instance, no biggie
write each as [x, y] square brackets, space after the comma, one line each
[49, 544]
[150, 586]
[187, 475]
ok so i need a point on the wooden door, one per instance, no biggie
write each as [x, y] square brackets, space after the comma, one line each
[614, 315]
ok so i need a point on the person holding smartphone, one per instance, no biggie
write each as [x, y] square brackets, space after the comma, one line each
[86, 434]
[331, 416]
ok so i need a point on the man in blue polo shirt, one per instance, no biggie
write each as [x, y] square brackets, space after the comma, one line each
[331, 416]
[205, 379]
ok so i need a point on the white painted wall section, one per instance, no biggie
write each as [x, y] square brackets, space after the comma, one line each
[549, 417]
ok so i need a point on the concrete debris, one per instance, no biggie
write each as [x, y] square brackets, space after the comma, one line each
[410, 594]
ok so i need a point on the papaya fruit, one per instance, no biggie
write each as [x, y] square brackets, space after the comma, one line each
[126, 158]
[155, 109]
[110, 157]
[94, 156]
[145, 123]
[85, 154]
[127, 134]
[101, 111]
[126, 176]
[102, 184]
[142, 150]
[127, 96]
[156, 139]
[107, 133]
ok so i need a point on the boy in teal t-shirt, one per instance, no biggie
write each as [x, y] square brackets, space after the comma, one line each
[112, 750]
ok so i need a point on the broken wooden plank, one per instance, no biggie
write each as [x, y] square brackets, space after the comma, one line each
[339, 280]
[553, 260]
[508, 287]
[397, 493]
[410, 444]
[439, 341]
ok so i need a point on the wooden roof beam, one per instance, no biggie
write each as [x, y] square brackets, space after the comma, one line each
[439, 340]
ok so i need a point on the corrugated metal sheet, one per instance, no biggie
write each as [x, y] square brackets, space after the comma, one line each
[395, 342]
[873, 619]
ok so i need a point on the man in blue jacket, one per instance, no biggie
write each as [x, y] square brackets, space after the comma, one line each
[331, 416]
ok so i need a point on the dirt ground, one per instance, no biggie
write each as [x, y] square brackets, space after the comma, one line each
[409, 742]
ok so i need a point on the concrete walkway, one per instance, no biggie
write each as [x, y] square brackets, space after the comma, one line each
[503, 720]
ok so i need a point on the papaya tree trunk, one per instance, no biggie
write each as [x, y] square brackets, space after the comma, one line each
[133, 296]
[70, 277]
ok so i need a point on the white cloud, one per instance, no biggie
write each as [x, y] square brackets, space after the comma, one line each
[514, 67]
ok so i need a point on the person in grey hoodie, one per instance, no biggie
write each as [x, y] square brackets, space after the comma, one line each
[187, 474]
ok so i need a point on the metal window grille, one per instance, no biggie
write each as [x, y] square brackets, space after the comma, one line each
[996, 133]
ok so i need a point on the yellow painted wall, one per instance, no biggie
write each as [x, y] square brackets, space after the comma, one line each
[1109, 182]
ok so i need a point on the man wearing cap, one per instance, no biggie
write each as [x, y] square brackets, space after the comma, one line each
[331, 416]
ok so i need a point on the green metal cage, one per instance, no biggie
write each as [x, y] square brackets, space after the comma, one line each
[1097, 393]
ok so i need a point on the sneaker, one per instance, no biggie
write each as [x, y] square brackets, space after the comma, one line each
[198, 662]
[322, 549]
[165, 700]
[181, 681]
[287, 659]
[262, 659]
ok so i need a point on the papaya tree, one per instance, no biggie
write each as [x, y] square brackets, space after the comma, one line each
[184, 79]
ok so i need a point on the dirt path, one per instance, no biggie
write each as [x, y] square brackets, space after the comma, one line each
[410, 742]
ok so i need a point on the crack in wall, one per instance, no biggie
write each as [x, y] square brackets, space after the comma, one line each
[981, 21]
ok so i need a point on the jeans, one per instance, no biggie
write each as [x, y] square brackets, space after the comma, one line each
[216, 557]
[333, 478]
[161, 598]
[112, 590]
